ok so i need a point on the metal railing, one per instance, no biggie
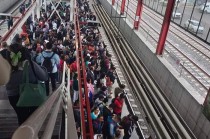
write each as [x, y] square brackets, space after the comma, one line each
[85, 111]
[61, 97]
[16, 28]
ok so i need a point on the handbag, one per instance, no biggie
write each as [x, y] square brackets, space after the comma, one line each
[31, 94]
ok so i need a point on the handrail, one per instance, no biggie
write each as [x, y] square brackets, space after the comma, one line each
[31, 127]
[89, 120]
[87, 133]
[2, 22]
[16, 27]
[78, 48]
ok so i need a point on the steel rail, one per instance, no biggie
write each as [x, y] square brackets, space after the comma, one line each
[159, 107]
[167, 51]
[173, 116]
[186, 57]
[173, 31]
[186, 70]
[159, 128]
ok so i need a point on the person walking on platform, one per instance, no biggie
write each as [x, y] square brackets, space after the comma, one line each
[127, 124]
[118, 104]
[110, 79]
[119, 90]
[112, 129]
[107, 112]
[98, 124]
[50, 60]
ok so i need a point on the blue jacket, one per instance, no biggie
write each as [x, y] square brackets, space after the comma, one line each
[55, 59]
[112, 126]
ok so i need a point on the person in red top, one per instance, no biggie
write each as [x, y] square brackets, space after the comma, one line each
[73, 67]
[62, 59]
[118, 104]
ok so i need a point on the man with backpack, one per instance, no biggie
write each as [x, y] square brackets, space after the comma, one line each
[50, 60]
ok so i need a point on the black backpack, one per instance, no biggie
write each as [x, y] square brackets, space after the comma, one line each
[47, 63]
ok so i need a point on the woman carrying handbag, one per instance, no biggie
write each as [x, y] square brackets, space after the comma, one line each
[19, 59]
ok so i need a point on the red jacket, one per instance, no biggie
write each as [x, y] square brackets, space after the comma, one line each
[118, 105]
[73, 67]
[61, 65]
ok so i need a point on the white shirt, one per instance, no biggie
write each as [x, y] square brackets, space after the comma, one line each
[54, 25]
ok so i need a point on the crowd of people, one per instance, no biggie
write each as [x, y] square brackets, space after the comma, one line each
[49, 42]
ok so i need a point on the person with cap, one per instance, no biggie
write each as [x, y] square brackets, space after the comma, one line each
[127, 124]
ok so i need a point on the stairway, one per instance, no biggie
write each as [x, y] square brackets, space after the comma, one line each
[8, 122]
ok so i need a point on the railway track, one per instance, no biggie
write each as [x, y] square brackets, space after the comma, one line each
[199, 48]
[195, 73]
[162, 116]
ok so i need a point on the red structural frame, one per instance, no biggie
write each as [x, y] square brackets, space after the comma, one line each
[165, 27]
[139, 10]
[86, 127]
[122, 7]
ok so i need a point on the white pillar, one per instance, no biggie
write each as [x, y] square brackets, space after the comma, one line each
[33, 16]
[72, 10]
[45, 5]
[38, 9]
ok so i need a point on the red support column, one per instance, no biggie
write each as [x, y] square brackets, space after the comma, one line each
[113, 1]
[165, 27]
[122, 7]
[138, 14]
